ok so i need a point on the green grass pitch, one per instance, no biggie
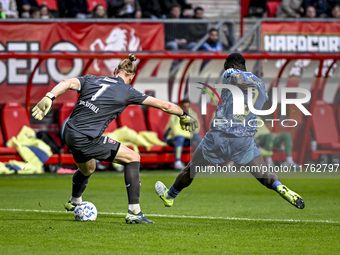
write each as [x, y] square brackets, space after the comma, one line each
[212, 216]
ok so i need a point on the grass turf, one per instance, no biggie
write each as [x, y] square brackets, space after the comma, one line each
[53, 231]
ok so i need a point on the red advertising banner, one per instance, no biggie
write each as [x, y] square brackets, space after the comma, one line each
[300, 36]
[14, 73]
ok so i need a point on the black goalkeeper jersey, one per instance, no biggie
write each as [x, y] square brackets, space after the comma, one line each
[102, 99]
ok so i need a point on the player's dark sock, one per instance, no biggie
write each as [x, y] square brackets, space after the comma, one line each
[79, 182]
[172, 193]
[275, 184]
[132, 182]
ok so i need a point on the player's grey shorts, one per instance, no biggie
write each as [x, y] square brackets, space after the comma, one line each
[218, 147]
[85, 148]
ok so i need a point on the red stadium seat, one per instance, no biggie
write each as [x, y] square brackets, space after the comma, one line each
[157, 120]
[3, 148]
[324, 126]
[111, 127]
[133, 117]
[272, 8]
[65, 111]
[14, 117]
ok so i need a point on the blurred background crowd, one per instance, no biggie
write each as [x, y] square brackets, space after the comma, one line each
[295, 8]
[177, 35]
[159, 9]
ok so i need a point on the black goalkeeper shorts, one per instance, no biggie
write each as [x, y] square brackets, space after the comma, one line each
[85, 148]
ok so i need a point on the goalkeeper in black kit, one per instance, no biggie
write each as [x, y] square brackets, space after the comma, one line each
[101, 100]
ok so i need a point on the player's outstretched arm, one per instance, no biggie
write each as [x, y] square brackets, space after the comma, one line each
[187, 122]
[44, 106]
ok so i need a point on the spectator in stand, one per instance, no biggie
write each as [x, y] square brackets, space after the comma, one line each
[175, 12]
[2, 14]
[196, 31]
[44, 12]
[151, 9]
[310, 12]
[99, 12]
[321, 7]
[257, 8]
[35, 12]
[336, 12]
[26, 7]
[290, 9]
[198, 13]
[9, 7]
[213, 44]
[125, 9]
[73, 9]
[166, 5]
[176, 33]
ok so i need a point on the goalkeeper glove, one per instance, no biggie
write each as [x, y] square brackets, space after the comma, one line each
[187, 122]
[43, 107]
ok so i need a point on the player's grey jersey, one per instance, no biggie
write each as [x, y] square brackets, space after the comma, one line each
[240, 125]
[102, 99]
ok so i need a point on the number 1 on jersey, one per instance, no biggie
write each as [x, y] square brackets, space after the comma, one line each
[100, 91]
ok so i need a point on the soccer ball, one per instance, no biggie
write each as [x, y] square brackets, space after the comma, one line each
[86, 211]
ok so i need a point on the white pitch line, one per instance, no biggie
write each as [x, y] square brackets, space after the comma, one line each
[186, 216]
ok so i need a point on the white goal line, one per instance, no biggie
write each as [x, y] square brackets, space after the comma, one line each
[186, 216]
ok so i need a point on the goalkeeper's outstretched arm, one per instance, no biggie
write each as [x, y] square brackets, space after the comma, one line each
[44, 106]
[187, 122]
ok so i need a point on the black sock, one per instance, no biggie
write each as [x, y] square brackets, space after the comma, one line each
[267, 179]
[79, 182]
[132, 182]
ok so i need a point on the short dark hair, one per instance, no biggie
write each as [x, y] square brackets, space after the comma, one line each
[212, 30]
[198, 8]
[34, 9]
[174, 5]
[184, 101]
[235, 59]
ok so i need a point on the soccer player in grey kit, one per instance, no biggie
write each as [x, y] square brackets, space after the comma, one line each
[101, 100]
